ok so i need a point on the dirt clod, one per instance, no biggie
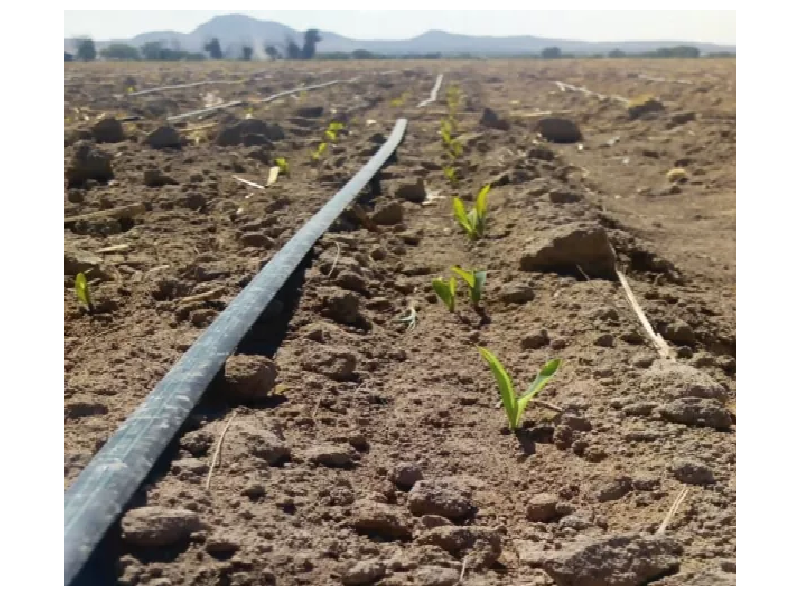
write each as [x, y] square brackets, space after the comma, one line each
[430, 497]
[388, 521]
[565, 246]
[559, 131]
[482, 544]
[108, 131]
[405, 475]
[618, 559]
[696, 412]
[154, 526]
[542, 508]
[364, 572]
[691, 471]
[88, 163]
[250, 377]
[163, 137]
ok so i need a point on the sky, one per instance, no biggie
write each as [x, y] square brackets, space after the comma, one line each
[707, 26]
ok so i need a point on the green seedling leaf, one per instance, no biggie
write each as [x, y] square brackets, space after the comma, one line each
[515, 408]
[461, 216]
[455, 148]
[542, 378]
[82, 290]
[335, 126]
[446, 292]
[331, 135]
[282, 164]
[476, 280]
[450, 173]
[505, 385]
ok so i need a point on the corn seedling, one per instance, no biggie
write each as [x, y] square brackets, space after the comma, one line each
[282, 164]
[450, 173]
[446, 290]
[455, 149]
[82, 290]
[515, 407]
[476, 281]
[320, 149]
[474, 222]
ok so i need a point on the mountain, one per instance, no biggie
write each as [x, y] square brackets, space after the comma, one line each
[236, 30]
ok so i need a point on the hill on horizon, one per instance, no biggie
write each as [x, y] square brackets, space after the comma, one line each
[237, 30]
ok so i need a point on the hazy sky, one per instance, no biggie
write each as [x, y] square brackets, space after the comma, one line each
[600, 25]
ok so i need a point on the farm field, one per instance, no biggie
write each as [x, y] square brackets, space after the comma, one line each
[349, 447]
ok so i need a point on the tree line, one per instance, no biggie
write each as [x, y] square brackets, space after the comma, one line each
[291, 50]
[86, 50]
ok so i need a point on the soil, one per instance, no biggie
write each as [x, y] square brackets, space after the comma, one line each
[381, 456]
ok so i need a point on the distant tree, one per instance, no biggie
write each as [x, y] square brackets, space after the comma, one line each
[616, 53]
[67, 56]
[214, 49]
[292, 51]
[86, 49]
[118, 51]
[310, 40]
[152, 51]
[362, 54]
[552, 52]
[271, 51]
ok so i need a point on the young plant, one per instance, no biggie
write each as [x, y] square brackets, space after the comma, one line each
[320, 149]
[515, 407]
[450, 173]
[446, 292]
[282, 164]
[82, 291]
[476, 281]
[474, 222]
[455, 149]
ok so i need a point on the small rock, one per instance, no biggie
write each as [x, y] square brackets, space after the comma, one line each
[331, 455]
[482, 544]
[253, 239]
[411, 191]
[155, 177]
[342, 306]
[605, 340]
[380, 519]
[435, 575]
[516, 293]
[535, 340]
[565, 246]
[429, 497]
[165, 136]
[364, 572]
[490, 118]
[254, 490]
[679, 332]
[390, 213]
[643, 359]
[619, 559]
[337, 362]
[691, 471]
[542, 508]
[218, 543]
[405, 475]
[189, 465]
[680, 118]
[564, 196]
[88, 162]
[154, 526]
[108, 131]
[559, 130]
[250, 377]
[696, 412]
[614, 490]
